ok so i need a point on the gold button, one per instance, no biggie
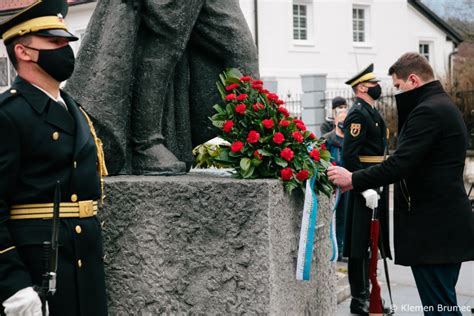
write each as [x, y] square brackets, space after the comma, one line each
[79, 263]
[75, 164]
[13, 91]
[55, 136]
[78, 229]
[74, 198]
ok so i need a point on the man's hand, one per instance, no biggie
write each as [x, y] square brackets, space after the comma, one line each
[340, 177]
[371, 198]
[25, 302]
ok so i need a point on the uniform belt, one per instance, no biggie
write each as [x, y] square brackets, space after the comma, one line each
[371, 159]
[79, 209]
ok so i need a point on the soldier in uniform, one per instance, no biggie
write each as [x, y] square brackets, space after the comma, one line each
[364, 145]
[46, 137]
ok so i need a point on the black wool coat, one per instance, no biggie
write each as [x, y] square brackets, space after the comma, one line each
[40, 143]
[435, 225]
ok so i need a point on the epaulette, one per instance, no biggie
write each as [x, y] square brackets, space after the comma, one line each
[7, 95]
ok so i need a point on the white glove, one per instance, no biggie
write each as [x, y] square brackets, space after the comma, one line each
[371, 198]
[25, 302]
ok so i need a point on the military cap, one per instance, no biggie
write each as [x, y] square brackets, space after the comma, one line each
[42, 18]
[338, 101]
[366, 75]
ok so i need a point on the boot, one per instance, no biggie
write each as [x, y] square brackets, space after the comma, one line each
[359, 285]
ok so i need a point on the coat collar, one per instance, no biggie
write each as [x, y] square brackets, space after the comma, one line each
[408, 101]
[42, 103]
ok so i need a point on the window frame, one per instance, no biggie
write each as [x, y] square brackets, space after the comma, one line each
[366, 25]
[309, 41]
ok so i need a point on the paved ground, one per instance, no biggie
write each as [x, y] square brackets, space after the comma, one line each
[404, 292]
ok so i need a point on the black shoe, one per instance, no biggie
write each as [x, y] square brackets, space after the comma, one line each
[359, 306]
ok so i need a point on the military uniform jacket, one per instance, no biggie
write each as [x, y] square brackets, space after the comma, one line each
[438, 225]
[40, 143]
[364, 135]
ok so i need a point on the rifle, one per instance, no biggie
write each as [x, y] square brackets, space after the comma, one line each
[50, 255]
[375, 307]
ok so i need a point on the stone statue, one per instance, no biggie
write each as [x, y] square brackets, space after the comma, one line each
[146, 73]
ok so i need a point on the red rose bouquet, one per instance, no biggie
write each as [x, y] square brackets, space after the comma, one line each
[265, 140]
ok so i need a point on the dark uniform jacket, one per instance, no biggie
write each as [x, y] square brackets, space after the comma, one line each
[40, 143]
[438, 225]
[364, 135]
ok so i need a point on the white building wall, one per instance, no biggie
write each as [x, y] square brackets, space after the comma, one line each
[394, 27]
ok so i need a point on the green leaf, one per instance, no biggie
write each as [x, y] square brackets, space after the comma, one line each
[230, 80]
[221, 89]
[264, 152]
[281, 162]
[218, 108]
[256, 162]
[325, 154]
[247, 174]
[234, 72]
[218, 124]
[229, 109]
[245, 163]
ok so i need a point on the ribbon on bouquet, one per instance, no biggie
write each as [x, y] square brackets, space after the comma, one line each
[308, 228]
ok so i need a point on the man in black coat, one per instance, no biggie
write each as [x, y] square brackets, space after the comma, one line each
[364, 145]
[434, 228]
[45, 137]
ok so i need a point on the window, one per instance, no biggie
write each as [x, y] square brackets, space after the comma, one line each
[300, 22]
[7, 72]
[424, 49]
[359, 25]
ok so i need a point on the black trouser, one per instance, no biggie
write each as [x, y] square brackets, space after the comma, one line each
[358, 271]
[436, 285]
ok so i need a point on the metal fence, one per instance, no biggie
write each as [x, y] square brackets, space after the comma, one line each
[293, 104]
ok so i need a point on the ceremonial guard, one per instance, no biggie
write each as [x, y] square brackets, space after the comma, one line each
[46, 137]
[364, 145]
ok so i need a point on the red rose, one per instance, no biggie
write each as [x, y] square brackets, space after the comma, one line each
[272, 96]
[278, 138]
[242, 97]
[230, 97]
[301, 126]
[256, 86]
[286, 174]
[257, 154]
[298, 121]
[302, 175]
[323, 146]
[287, 154]
[232, 86]
[245, 78]
[297, 136]
[279, 102]
[253, 137]
[265, 91]
[312, 136]
[268, 123]
[227, 127]
[284, 123]
[284, 111]
[315, 154]
[258, 106]
[236, 146]
[257, 82]
[240, 108]
[333, 163]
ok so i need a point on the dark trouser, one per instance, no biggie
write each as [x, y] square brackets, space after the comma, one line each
[436, 285]
[358, 271]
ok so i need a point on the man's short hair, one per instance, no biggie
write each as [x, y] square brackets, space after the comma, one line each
[412, 63]
[338, 101]
[24, 40]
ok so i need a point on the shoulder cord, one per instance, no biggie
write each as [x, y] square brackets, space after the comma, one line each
[102, 168]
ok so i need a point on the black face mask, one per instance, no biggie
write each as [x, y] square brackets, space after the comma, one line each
[375, 92]
[58, 63]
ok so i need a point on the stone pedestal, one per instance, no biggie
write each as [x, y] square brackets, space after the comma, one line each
[215, 245]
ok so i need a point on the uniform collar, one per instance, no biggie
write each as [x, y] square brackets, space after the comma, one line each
[37, 99]
[369, 107]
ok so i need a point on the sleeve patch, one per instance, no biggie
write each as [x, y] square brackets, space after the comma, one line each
[355, 129]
